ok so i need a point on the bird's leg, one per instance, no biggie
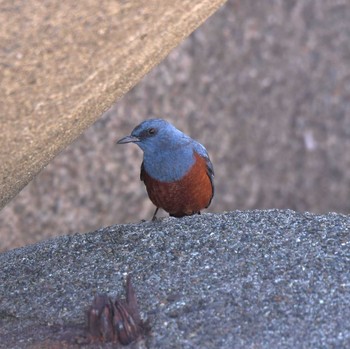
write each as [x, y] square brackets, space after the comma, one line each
[154, 218]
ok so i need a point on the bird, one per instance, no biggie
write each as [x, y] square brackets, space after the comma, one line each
[176, 169]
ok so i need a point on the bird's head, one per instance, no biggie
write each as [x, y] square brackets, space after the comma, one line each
[155, 134]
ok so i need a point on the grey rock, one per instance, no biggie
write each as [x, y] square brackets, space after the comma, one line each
[255, 279]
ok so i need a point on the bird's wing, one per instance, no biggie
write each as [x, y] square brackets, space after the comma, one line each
[199, 148]
[142, 173]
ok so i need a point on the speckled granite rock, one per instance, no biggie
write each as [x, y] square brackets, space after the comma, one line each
[259, 279]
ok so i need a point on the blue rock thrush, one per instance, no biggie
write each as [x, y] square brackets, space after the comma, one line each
[176, 169]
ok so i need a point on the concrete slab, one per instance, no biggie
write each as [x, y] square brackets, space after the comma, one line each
[64, 63]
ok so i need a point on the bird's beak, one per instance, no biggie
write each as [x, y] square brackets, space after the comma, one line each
[128, 139]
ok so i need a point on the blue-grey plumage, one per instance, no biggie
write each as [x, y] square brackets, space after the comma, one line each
[170, 156]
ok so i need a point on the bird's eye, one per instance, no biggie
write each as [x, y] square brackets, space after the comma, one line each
[151, 131]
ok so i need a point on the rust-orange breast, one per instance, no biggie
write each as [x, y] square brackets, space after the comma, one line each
[184, 197]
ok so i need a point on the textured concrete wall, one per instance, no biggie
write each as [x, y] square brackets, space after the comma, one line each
[264, 85]
[64, 63]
